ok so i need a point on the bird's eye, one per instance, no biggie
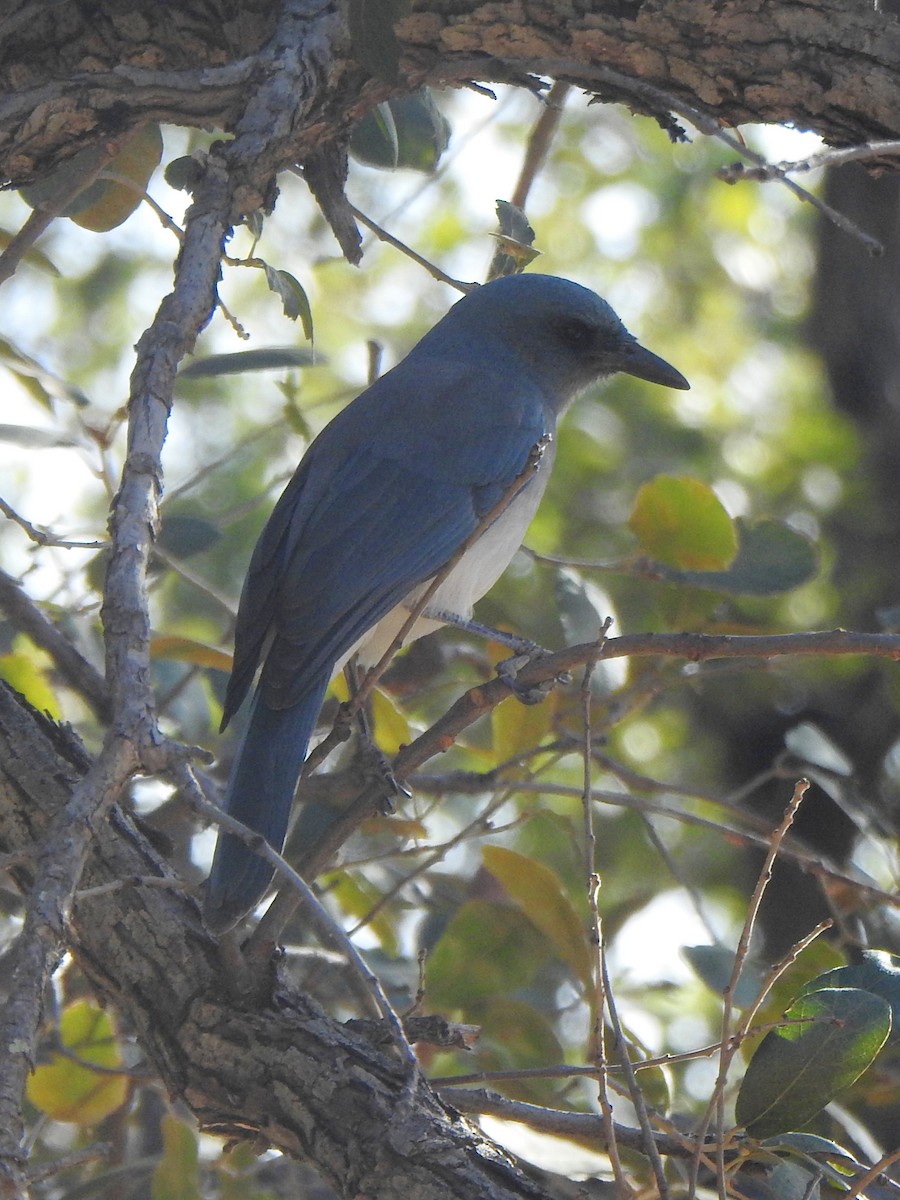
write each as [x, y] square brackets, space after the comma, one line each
[576, 334]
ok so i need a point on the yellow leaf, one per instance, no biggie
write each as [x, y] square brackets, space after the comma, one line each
[182, 649]
[538, 892]
[176, 1176]
[681, 522]
[26, 675]
[116, 201]
[66, 1088]
[517, 728]
[357, 897]
[391, 727]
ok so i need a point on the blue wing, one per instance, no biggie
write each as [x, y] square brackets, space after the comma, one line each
[383, 498]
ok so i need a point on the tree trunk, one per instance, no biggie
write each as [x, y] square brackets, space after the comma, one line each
[76, 75]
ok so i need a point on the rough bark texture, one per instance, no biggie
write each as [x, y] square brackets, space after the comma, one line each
[78, 74]
[263, 1062]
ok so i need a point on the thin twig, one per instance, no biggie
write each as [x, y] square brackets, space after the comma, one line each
[588, 1126]
[432, 268]
[82, 676]
[598, 1001]
[540, 140]
[165, 219]
[42, 538]
[565, 1071]
[436, 854]
[536, 151]
[660, 100]
[716, 1108]
[832, 157]
[745, 1028]
[872, 1174]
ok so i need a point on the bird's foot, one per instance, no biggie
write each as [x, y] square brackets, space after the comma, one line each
[379, 775]
[524, 651]
[508, 670]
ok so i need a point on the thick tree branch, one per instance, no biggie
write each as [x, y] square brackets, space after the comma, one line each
[739, 61]
[263, 1063]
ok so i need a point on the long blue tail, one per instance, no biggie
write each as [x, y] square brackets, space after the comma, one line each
[260, 794]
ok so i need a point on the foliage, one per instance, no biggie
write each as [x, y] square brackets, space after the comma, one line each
[706, 510]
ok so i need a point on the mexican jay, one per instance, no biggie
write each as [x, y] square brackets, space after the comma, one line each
[384, 496]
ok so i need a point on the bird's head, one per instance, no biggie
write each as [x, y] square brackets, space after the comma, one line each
[566, 334]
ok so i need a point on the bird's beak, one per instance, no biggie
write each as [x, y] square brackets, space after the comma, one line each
[644, 364]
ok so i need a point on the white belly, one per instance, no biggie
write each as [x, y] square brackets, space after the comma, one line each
[476, 573]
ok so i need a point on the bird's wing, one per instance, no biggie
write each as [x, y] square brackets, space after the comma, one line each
[381, 501]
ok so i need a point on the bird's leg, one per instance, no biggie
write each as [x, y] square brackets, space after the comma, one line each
[513, 641]
[375, 764]
[524, 652]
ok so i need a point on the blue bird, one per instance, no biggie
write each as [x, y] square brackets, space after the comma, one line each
[385, 495]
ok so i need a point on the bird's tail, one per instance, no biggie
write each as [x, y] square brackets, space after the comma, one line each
[260, 794]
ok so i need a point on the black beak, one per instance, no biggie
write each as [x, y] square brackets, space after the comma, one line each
[633, 359]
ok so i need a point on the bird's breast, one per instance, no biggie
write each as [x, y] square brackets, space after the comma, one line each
[474, 575]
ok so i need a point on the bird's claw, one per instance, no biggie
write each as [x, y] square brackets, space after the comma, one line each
[509, 669]
[380, 774]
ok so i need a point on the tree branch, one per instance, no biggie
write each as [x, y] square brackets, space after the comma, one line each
[738, 61]
[81, 675]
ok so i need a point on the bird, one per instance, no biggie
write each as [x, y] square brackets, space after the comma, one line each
[388, 492]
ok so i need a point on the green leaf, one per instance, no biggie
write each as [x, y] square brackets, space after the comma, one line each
[177, 1174]
[112, 201]
[791, 1181]
[819, 1154]
[514, 1035]
[392, 729]
[486, 950]
[273, 358]
[405, 131]
[357, 897]
[183, 174]
[65, 183]
[293, 298]
[184, 535]
[40, 383]
[878, 973]
[714, 964]
[806, 1143]
[772, 558]
[374, 139]
[31, 438]
[834, 1036]
[681, 522]
[66, 1088]
[540, 894]
[104, 203]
